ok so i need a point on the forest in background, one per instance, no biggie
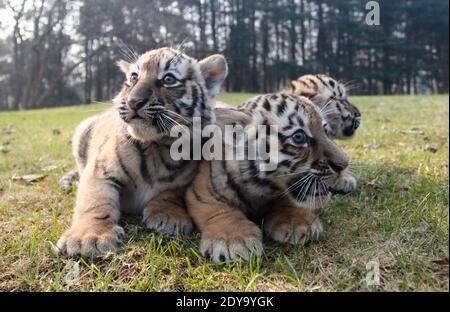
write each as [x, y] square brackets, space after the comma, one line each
[55, 53]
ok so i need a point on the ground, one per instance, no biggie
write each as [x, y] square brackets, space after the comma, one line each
[395, 223]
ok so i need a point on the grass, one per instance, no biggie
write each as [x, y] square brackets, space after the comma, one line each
[397, 220]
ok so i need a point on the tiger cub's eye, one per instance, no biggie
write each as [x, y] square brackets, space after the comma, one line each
[299, 137]
[134, 77]
[169, 80]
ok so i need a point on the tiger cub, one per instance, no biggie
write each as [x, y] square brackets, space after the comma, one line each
[341, 118]
[229, 198]
[123, 155]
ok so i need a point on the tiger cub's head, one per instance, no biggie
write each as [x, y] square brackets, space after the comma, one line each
[164, 88]
[341, 119]
[307, 161]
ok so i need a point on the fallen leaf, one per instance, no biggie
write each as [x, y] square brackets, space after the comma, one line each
[373, 146]
[413, 132]
[374, 184]
[30, 178]
[441, 261]
[49, 168]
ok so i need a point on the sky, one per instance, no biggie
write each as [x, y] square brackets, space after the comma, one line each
[6, 22]
[7, 18]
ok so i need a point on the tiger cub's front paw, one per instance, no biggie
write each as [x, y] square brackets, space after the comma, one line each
[293, 226]
[227, 241]
[345, 183]
[168, 221]
[90, 241]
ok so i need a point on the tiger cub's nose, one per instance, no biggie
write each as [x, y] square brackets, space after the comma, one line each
[137, 104]
[337, 166]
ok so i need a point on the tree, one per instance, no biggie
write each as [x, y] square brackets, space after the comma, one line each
[64, 52]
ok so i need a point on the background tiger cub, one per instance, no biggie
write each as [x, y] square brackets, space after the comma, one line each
[341, 118]
[123, 155]
[229, 198]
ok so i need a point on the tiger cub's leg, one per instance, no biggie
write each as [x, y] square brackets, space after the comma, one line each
[345, 183]
[226, 233]
[167, 214]
[94, 230]
[289, 224]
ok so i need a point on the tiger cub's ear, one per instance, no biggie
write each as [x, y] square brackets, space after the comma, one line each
[231, 116]
[124, 66]
[214, 69]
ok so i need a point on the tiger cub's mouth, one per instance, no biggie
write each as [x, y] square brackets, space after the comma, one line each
[310, 189]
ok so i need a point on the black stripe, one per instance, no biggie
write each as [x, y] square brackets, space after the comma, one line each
[89, 209]
[316, 87]
[175, 173]
[321, 80]
[202, 98]
[124, 168]
[281, 108]
[292, 87]
[267, 105]
[296, 165]
[174, 202]
[167, 66]
[291, 119]
[304, 83]
[194, 94]
[105, 140]
[287, 128]
[258, 180]
[170, 166]
[332, 83]
[115, 183]
[265, 183]
[234, 186]
[309, 95]
[188, 76]
[286, 147]
[179, 165]
[198, 197]
[282, 138]
[106, 217]
[83, 146]
[100, 162]
[285, 163]
[215, 193]
[143, 165]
